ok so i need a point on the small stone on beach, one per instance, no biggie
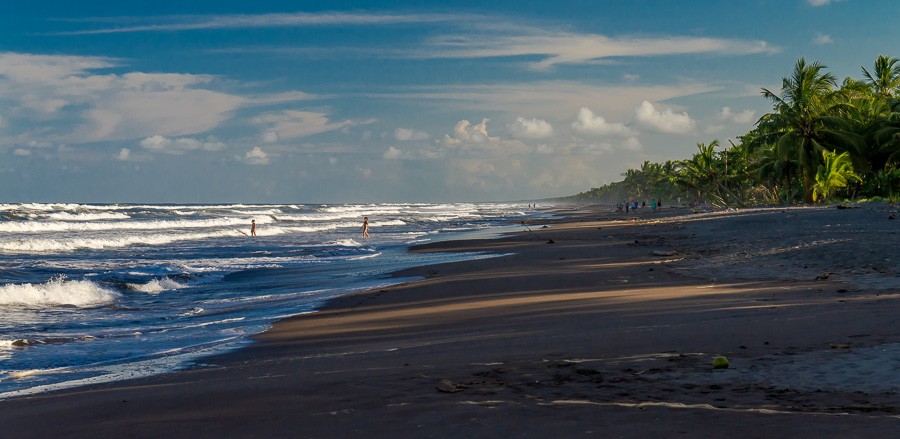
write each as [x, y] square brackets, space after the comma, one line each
[447, 386]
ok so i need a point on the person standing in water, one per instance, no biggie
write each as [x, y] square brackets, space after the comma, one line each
[253, 228]
[365, 227]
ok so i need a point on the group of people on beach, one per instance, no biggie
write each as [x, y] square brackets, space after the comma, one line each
[626, 206]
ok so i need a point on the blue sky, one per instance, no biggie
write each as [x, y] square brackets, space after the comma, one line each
[323, 102]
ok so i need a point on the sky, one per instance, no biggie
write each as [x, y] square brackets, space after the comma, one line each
[417, 101]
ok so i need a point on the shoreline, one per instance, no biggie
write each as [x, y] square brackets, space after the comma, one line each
[593, 333]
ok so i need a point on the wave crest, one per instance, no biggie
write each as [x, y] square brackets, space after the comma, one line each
[57, 292]
[156, 286]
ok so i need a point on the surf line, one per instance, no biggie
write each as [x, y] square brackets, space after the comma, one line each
[678, 405]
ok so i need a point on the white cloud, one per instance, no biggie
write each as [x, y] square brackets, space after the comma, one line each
[531, 129]
[474, 140]
[464, 132]
[58, 90]
[573, 48]
[631, 77]
[818, 2]
[588, 123]
[279, 98]
[213, 144]
[666, 120]
[159, 143]
[247, 21]
[164, 144]
[392, 153]
[407, 134]
[744, 117]
[549, 99]
[256, 156]
[291, 124]
[270, 137]
[124, 154]
[822, 39]
[632, 144]
[544, 149]
[22, 152]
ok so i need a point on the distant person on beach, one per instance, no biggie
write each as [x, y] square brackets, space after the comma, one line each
[253, 228]
[365, 227]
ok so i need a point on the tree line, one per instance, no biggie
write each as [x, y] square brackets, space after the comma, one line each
[822, 141]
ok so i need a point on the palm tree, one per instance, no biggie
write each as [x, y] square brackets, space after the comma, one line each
[885, 77]
[805, 121]
[703, 173]
[836, 172]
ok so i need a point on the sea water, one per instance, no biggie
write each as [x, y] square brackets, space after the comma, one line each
[97, 293]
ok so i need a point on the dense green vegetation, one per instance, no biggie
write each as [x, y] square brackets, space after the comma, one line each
[822, 141]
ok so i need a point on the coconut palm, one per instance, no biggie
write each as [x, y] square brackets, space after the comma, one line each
[806, 119]
[836, 172]
[885, 77]
[778, 173]
[703, 173]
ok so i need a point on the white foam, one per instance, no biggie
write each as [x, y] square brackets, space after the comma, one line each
[66, 216]
[388, 223]
[57, 292]
[349, 242]
[360, 258]
[156, 286]
[68, 226]
[65, 244]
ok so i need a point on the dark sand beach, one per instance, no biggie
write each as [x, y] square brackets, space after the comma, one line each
[609, 331]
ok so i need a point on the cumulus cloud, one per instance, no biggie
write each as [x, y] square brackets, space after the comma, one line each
[818, 2]
[474, 140]
[59, 90]
[256, 156]
[22, 152]
[159, 143]
[270, 137]
[392, 153]
[822, 39]
[744, 117]
[464, 132]
[632, 144]
[291, 124]
[588, 123]
[407, 134]
[531, 128]
[665, 120]
[124, 154]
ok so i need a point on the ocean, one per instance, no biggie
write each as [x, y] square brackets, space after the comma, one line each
[99, 293]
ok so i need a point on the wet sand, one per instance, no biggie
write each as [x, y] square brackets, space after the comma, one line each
[609, 331]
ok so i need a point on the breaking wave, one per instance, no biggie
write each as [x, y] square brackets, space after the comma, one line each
[57, 292]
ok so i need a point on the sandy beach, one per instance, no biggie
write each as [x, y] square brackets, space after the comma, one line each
[608, 331]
